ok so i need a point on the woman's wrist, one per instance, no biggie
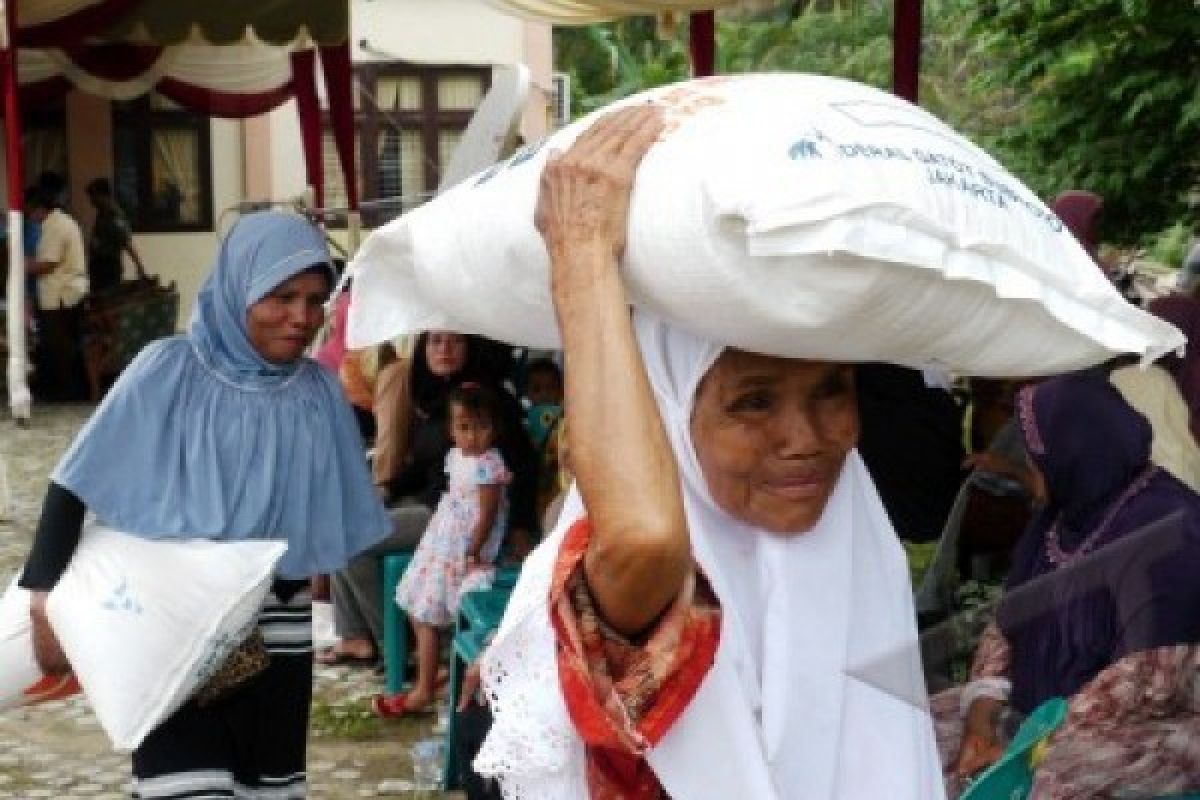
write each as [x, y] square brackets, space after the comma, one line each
[576, 272]
[37, 604]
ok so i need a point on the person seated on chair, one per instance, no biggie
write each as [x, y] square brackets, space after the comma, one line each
[413, 430]
[1102, 608]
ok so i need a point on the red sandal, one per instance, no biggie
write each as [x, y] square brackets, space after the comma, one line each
[394, 706]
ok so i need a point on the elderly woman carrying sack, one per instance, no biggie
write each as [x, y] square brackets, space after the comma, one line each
[227, 433]
[724, 609]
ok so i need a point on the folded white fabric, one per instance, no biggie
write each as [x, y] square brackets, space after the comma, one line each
[787, 214]
[145, 623]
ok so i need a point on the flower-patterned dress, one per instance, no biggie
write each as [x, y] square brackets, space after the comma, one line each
[431, 585]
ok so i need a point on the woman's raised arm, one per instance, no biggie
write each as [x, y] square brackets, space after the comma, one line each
[639, 555]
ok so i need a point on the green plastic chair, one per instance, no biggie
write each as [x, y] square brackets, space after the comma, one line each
[395, 621]
[1011, 777]
[479, 613]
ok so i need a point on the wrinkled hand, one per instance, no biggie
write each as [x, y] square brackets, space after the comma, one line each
[978, 752]
[46, 649]
[583, 203]
[470, 686]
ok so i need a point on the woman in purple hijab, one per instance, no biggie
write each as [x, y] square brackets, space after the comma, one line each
[1182, 309]
[1102, 607]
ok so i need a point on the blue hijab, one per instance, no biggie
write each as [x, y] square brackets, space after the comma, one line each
[201, 437]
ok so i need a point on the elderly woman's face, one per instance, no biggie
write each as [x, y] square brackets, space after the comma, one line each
[771, 435]
[282, 324]
[446, 353]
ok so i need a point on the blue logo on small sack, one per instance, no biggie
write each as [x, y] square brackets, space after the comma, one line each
[122, 599]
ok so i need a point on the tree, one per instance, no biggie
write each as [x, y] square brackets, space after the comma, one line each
[1110, 100]
[1068, 94]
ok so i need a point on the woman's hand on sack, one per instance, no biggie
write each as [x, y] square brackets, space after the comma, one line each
[583, 204]
[46, 649]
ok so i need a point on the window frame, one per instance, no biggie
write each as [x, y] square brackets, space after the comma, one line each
[430, 120]
[138, 116]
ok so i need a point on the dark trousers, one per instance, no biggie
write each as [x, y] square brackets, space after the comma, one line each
[473, 726]
[59, 354]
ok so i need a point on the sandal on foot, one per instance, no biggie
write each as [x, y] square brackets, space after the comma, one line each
[394, 706]
[332, 657]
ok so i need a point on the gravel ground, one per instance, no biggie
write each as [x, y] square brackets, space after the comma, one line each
[57, 750]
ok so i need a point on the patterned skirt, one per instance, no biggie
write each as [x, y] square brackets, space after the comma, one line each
[1140, 759]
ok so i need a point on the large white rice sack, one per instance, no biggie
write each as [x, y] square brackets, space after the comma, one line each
[145, 623]
[793, 215]
[21, 681]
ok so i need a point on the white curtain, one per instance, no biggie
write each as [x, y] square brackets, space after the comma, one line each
[246, 68]
[175, 172]
[44, 149]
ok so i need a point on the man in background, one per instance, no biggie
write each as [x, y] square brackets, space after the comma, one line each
[111, 238]
[62, 282]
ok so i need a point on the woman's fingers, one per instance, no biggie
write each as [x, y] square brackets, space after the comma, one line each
[619, 139]
[976, 756]
[584, 193]
[606, 135]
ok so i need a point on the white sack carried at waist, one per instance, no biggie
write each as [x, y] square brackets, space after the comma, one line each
[145, 623]
[793, 215]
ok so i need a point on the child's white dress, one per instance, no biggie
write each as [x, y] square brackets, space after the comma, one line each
[430, 587]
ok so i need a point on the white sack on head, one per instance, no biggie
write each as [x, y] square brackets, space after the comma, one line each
[145, 623]
[793, 215]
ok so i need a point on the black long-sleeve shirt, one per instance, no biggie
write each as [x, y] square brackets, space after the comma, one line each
[55, 540]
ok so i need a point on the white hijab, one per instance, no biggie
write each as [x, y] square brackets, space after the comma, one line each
[816, 692]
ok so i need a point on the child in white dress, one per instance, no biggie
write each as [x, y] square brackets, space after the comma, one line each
[461, 542]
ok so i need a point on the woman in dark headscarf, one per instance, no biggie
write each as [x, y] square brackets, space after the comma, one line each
[442, 361]
[227, 433]
[1182, 309]
[1102, 607]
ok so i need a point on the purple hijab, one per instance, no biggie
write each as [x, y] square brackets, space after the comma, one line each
[1081, 595]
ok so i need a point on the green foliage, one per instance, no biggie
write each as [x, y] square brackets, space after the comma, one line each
[1170, 246]
[1109, 100]
[353, 721]
[614, 60]
[1101, 95]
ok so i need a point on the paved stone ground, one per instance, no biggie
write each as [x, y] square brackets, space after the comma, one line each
[57, 750]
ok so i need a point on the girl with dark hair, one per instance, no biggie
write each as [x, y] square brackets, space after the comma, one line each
[462, 541]
[442, 361]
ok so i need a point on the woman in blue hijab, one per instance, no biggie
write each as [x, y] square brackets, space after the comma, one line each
[228, 433]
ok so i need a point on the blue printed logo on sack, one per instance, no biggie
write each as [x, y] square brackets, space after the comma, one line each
[122, 599]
